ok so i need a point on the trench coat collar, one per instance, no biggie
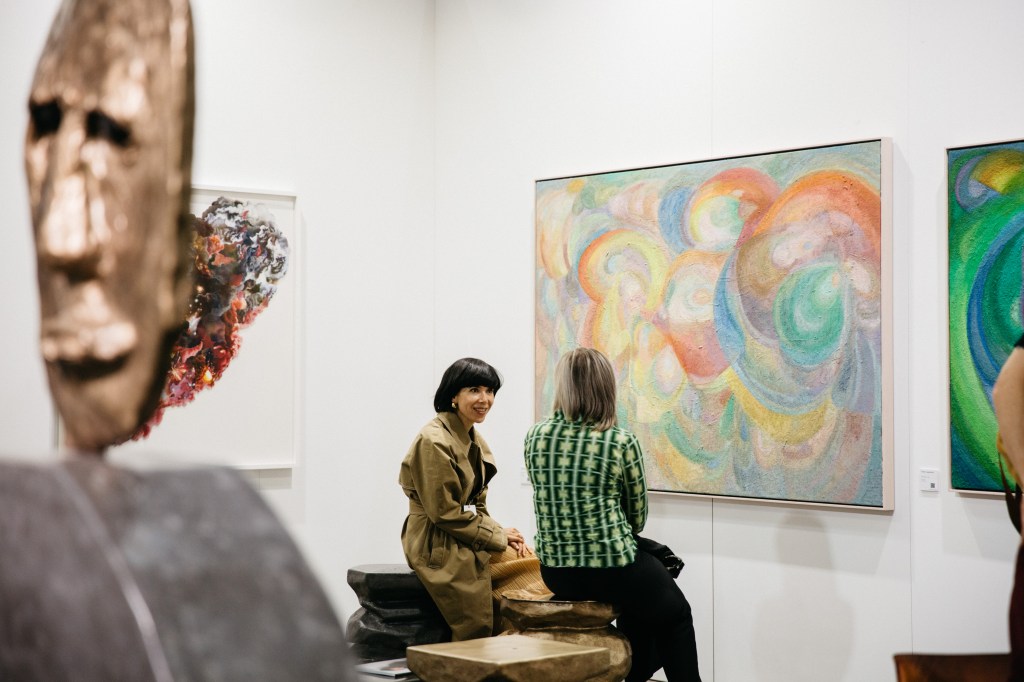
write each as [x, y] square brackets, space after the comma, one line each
[454, 426]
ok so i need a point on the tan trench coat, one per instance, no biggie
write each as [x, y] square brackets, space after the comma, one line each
[445, 542]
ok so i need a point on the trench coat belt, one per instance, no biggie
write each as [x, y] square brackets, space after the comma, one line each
[483, 534]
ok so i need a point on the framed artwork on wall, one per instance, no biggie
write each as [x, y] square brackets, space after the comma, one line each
[248, 418]
[985, 194]
[745, 304]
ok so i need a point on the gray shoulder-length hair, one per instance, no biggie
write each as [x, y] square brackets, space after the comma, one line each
[585, 388]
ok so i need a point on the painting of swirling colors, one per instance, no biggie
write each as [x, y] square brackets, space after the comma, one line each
[743, 304]
[986, 231]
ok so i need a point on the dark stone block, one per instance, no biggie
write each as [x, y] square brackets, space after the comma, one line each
[373, 638]
[386, 582]
[397, 612]
[109, 573]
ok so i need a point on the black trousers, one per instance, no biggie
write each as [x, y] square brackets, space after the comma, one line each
[656, 617]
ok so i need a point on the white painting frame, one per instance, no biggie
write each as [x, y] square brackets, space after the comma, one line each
[574, 213]
[250, 418]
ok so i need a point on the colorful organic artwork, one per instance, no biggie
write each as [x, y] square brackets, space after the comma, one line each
[239, 256]
[743, 305]
[249, 419]
[986, 232]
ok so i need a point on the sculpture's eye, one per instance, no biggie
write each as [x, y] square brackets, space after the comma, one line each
[46, 118]
[100, 126]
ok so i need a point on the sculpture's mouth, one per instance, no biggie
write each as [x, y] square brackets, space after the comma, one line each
[87, 341]
[88, 370]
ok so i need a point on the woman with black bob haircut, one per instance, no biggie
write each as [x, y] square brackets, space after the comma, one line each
[448, 536]
[590, 498]
[464, 373]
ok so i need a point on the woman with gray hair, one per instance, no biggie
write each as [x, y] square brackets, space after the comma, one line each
[590, 498]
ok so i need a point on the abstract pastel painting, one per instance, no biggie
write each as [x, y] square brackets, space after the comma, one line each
[986, 231]
[744, 305]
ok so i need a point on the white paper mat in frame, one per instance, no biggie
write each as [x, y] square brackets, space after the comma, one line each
[249, 418]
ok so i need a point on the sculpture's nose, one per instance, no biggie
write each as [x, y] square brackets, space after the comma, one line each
[67, 237]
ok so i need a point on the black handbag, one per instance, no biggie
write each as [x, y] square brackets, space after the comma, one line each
[663, 553]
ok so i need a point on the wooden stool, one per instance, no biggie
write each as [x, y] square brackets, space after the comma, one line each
[951, 667]
[575, 622]
[506, 659]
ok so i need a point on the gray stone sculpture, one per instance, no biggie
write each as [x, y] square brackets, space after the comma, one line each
[112, 574]
[108, 573]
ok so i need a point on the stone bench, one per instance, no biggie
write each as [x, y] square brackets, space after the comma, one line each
[513, 658]
[587, 623]
[396, 612]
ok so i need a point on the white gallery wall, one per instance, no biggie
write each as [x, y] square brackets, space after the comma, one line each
[412, 132]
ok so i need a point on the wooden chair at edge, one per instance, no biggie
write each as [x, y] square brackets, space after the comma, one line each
[952, 667]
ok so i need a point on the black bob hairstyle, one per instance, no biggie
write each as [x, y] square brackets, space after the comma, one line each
[462, 374]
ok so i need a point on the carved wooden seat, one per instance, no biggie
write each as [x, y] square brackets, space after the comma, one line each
[576, 622]
[514, 658]
[952, 667]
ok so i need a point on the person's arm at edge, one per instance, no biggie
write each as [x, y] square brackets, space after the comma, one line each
[634, 489]
[1008, 400]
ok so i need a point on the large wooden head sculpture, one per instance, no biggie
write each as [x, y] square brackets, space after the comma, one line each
[108, 155]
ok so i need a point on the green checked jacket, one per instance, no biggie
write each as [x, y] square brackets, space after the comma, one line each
[589, 493]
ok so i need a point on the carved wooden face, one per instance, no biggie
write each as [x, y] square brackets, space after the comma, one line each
[108, 155]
